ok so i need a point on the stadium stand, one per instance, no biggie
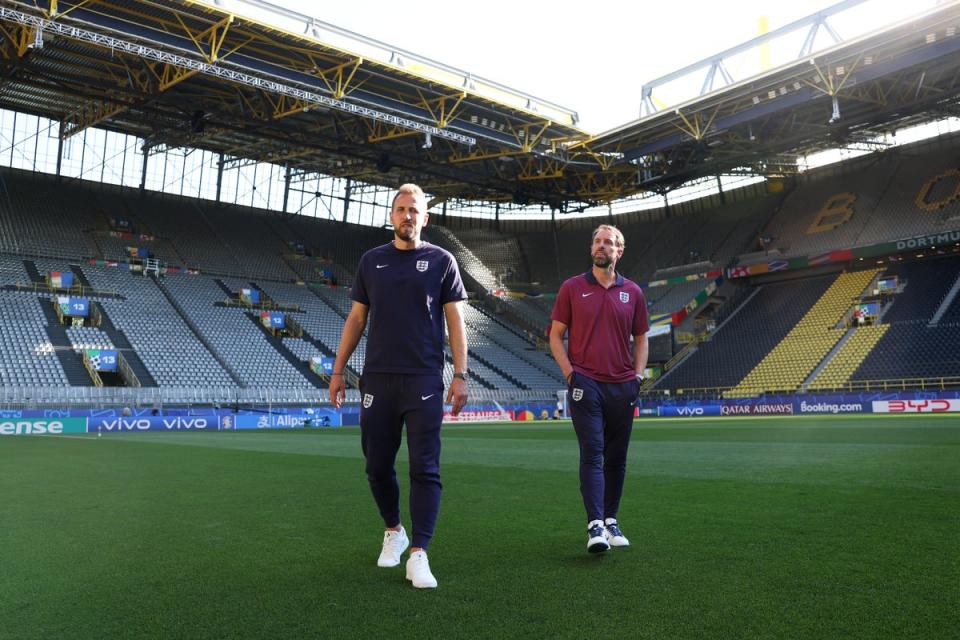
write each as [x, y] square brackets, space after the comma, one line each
[712, 237]
[911, 351]
[746, 336]
[325, 310]
[499, 252]
[169, 349]
[790, 362]
[43, 222]
[910, 348]
[27, 353]
[495, 344]
[925, 283]
[83, 338]
[471, 267]
[181, 338]
[233, 333]
[870, 201]
[848, 359]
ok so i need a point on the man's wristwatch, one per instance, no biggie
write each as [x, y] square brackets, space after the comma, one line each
[462, 376]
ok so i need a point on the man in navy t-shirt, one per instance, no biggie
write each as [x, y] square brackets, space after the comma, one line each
[601, 310]
[402, 294]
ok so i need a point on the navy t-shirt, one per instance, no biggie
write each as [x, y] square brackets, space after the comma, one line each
[406, 291]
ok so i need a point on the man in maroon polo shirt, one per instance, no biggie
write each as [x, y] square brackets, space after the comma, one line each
[601, 310]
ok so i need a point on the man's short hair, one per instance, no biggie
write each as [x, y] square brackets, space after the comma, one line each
[411, 189]
[617, 235]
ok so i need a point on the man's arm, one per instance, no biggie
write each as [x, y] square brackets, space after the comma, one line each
[641, 348]
[457, 329]
[349, 339]
[558, 350]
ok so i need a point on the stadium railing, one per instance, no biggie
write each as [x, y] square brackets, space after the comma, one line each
[941, 383]
[898, 384]
[17, 397]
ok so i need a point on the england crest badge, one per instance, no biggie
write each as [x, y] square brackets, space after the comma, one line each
[422, 265]
[624, 297]
[577, 395]
[367, 400]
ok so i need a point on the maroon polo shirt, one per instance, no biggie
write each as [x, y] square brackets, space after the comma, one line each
[599, 325]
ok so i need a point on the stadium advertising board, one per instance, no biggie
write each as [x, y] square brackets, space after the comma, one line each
[479, 415]
[845, 255]
[924, 242]
[153, 423]
[35, 427]
[689, 411]
[935, 405]
[319, 418]
[804, 406]
[757, 409]
[502, 413]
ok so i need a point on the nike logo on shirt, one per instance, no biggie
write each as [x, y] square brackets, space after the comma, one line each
[381, 266]
[426, 397]
[584, 295]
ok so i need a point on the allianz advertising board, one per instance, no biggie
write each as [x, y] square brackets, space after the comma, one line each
[41, 426]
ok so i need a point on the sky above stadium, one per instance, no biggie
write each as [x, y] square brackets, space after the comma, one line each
[593, 57]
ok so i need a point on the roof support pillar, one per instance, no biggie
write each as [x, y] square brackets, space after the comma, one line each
[346, 200]
[143, 169]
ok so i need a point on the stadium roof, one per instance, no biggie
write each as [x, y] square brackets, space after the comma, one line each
[851, 93]
[260, 83]
[184, 73]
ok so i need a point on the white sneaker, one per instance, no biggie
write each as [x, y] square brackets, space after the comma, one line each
[418, 571]
[394, 544]
[613, 534]
[596, 537]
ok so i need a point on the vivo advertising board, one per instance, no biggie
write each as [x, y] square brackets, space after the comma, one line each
[154, 423]
[690, 411]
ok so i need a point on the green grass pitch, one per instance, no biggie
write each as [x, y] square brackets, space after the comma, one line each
[815, 527]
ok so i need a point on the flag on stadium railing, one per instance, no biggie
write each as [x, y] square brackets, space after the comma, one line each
[61, 279]
[74, 307]
[102, 359]
[273, 319]
[321, 365]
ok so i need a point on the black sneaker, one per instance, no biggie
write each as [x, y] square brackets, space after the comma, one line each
[596, 537]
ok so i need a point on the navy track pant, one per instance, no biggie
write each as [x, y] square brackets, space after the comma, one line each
[388, 402]
[602, 415]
